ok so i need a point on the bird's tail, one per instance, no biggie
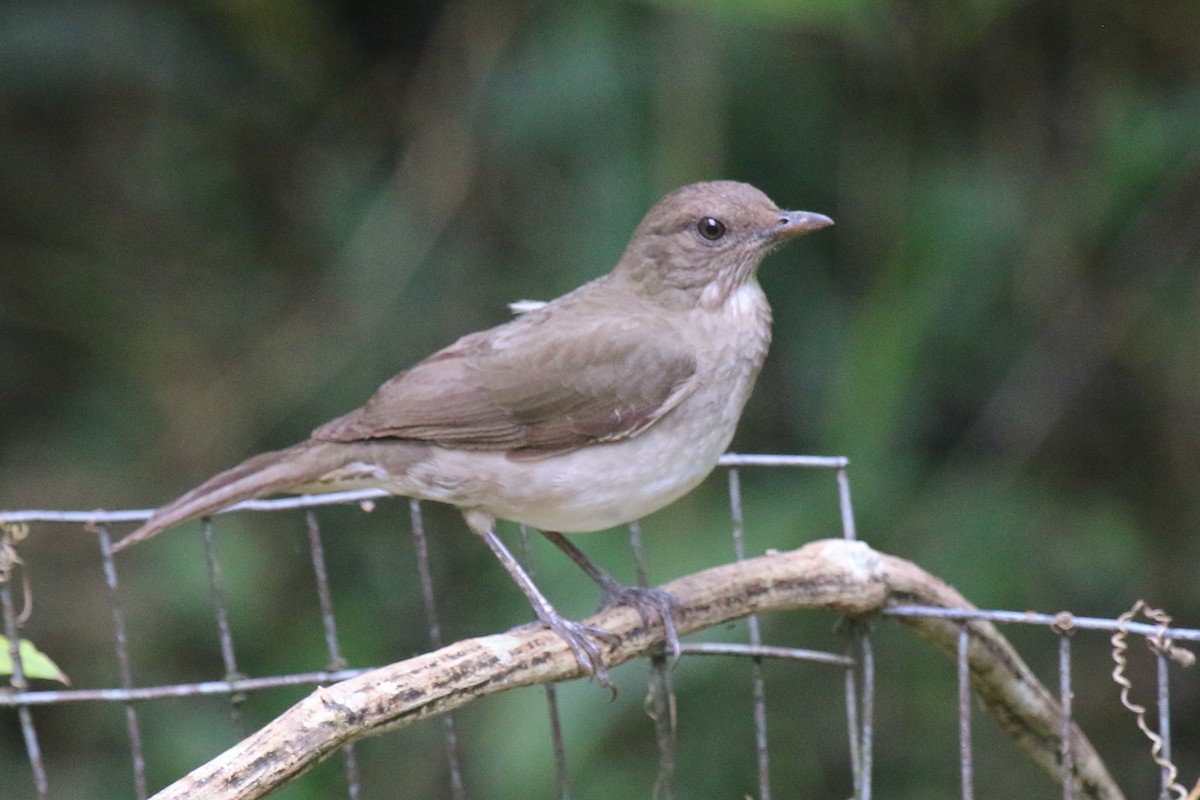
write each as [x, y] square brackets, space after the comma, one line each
[265, 474]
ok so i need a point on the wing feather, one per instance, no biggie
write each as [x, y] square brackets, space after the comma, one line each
[519, 389]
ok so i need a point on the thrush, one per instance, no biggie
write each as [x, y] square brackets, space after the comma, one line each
[586, 412]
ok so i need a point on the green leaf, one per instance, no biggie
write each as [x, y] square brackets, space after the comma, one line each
[34, 662]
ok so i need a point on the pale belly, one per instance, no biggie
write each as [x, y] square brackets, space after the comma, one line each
[598, 487]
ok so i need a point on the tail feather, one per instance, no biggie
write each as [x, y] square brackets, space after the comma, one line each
[264, 474]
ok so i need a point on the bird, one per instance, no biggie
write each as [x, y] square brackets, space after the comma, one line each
[578, 414]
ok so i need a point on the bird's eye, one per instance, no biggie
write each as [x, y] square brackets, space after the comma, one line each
[711, 228]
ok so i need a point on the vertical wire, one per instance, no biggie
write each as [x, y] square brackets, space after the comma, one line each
[124, 668]
[861, 739]
[32, 748]
[849, 531]
[216, 593]
[561, 776]
[638, 554]
[1164, 722]
[757, 683]
[556, 742]
[324, 599]
[851, 680]
[860, 704]
[660, 689]
[1066, 698]
[329, 627]
[449, 733]
[964, 713]
[867, 655]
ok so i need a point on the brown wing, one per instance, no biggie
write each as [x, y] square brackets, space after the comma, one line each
[515, 388]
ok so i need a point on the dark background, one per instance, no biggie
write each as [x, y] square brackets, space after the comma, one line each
[222, 224]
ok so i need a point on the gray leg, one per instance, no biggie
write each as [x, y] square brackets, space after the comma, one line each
[645, 600]
[576, 635]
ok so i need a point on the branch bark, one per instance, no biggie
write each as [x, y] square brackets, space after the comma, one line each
[845, 577]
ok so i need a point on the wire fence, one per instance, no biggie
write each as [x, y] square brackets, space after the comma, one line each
[858, 662]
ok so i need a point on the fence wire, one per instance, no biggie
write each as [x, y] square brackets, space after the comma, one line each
[857, 662]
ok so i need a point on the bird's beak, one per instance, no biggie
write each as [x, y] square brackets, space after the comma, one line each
[798, 223]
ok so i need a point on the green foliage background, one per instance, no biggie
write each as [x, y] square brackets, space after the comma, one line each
[224, 223]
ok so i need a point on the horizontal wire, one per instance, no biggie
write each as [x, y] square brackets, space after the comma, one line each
[767, 460]
[764, 651]
[53, 696]
[138, 515]
[1063, 621]
[359, 495]
[49, 697]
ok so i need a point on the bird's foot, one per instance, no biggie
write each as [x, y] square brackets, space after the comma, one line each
[649, 603]
[581, 639]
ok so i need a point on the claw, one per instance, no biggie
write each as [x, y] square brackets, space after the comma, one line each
[581, 639]
[649, 603]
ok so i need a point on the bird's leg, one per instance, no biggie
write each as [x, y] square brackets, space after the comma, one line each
[644, 599]
[576, 635]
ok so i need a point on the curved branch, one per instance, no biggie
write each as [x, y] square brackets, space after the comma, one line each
[837, 575]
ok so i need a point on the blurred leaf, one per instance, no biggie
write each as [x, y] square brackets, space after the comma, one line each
[34, 662]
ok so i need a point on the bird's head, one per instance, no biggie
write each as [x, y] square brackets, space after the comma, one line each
[703, 241]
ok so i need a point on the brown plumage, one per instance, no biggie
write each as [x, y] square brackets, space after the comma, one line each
[586, 412]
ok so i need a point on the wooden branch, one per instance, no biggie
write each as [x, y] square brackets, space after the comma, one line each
[845, 577]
